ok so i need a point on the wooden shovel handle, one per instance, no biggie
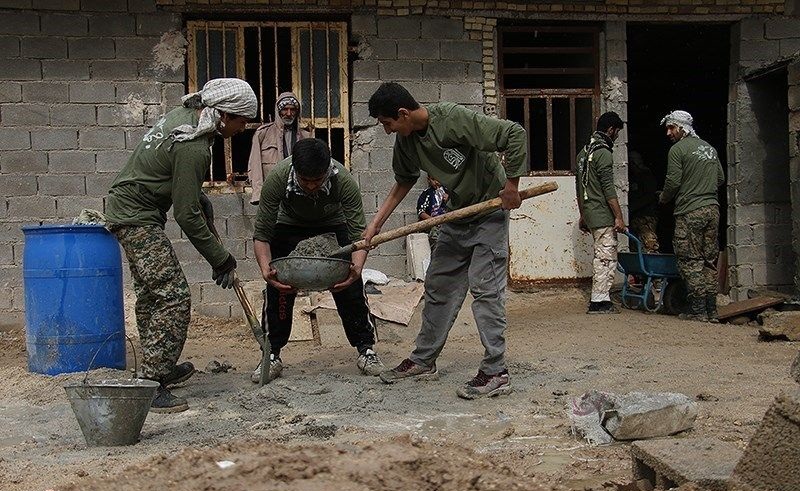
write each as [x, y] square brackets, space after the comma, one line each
[492, 204]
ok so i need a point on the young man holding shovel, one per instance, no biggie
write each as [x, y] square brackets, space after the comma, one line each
[459, 147]
[167, 170]
[306, 195]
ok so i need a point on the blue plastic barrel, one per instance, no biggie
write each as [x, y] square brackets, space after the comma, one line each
[73, 298]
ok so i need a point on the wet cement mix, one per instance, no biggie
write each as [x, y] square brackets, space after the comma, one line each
[323, 425]
[318, 246]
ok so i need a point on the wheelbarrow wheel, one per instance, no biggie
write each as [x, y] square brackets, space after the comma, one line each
[675, 297]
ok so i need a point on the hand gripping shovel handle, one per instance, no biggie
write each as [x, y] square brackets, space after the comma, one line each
[423, 225]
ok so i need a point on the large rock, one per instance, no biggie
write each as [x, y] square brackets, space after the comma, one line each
[640, 415]
[779, 324]
[771, 461]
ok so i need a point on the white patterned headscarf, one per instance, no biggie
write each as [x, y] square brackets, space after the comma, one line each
[228, 95]
[681, 119]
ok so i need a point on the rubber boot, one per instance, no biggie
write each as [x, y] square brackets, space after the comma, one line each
[697, 310]
[711, 308]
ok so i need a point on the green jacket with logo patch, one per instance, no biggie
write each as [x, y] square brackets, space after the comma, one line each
[342, 205]
[458, 149]
[599, 188]
[163, 174]
[694, 173]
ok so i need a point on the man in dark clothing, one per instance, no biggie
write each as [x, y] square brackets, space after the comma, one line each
[694, 174]
[166, 171]
[600, 213]
[643, 202]
[306, 195]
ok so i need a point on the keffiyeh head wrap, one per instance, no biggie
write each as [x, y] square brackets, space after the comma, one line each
[681, 119]
[228, 95]
[287, 99]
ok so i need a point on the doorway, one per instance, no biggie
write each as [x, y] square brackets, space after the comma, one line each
[671, 67]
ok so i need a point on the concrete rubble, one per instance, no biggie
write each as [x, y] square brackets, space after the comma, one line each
[640, 415]
[776, 324]
[771, 461]
[601, 417]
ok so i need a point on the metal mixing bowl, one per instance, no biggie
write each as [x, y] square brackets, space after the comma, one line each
[311, 273]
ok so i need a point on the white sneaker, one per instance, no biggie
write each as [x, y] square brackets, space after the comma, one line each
[275, 369]
[369, 363]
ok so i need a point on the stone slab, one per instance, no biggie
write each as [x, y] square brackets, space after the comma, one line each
[668, 463]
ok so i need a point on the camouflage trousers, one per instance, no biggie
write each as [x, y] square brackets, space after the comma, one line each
[696, 248]
[163, 300]
[645, 229]
[604, 264]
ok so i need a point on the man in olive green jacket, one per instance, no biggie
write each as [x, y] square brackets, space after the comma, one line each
[458, 147]
[306, 195]
[166, 171]
[600, 213]
[694, 174]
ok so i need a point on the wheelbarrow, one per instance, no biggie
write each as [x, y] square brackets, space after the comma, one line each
[662, 289]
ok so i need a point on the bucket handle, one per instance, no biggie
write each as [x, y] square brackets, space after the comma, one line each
[97, 352]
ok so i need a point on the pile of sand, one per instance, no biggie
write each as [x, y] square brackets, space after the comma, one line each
[399, 464]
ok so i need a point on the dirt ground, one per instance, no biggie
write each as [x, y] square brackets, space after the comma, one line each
[324, 426]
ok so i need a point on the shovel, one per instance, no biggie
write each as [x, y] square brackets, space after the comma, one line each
[483, 206]
[249, 313]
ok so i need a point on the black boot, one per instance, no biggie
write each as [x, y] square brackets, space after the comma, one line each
[697, 310]
[711, 308]
[166, 402]
[180, 373]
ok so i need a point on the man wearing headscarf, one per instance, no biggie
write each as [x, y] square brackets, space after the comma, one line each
[274, 141]
[167, 170]
[694, 174]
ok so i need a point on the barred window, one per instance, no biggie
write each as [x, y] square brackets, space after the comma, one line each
[549, 83]
[309, 59]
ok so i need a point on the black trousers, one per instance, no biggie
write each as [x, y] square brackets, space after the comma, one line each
[351, 303]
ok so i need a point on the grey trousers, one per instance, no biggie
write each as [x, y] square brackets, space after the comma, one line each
[472, 256]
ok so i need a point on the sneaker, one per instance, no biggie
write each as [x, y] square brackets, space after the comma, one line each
[409, 369]
[165, 402]
[275, 369]
[181, 373]
[602, 308]
[486, 385]
[369, 363]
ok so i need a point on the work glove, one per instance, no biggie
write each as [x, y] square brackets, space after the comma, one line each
[225, 273]
[208, 213]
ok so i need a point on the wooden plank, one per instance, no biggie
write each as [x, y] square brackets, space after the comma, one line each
[746, 306]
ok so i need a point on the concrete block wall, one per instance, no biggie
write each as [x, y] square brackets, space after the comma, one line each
[436, 60]
[79, 82]
[760, 252]
[794, 164]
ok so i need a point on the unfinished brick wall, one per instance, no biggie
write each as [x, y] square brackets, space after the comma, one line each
[490, 8]
[759, 200]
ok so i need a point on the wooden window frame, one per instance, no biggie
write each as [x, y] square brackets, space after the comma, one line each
[548, 94]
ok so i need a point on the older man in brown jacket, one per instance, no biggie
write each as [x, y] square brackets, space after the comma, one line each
[274, 141]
